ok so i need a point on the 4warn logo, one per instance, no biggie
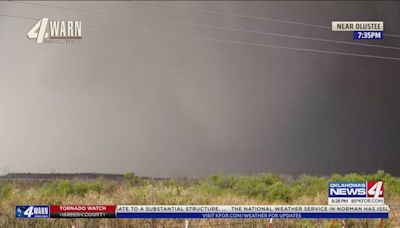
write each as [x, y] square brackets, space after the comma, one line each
[32, 211]
[46, 29]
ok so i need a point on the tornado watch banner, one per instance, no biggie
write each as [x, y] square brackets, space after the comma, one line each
[83, 211]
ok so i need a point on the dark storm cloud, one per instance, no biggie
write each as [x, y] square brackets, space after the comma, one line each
[168, 106]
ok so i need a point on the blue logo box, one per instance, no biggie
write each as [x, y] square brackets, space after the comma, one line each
[32, 211]
[347, 189]
[368, 35]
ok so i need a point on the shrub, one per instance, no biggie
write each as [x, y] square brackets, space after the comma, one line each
[66, 187]
[308, 186]
[5, 190]
[132, 180]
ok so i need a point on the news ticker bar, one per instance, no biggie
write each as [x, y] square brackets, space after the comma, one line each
[201, 211]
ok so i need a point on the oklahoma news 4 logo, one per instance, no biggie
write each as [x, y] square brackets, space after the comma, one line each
[370, 189]
[56, 31]
[32, 211]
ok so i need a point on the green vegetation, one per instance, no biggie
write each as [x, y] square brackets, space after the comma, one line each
[272, 188]
[66, 187]
[132, 180]
[215, 189]
[5, 191]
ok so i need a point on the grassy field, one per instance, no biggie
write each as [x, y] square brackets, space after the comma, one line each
[215, 189]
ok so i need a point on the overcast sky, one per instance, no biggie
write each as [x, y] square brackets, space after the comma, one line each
[159, 105]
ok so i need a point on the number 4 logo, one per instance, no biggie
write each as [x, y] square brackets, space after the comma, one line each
[38, 31]
[375, 189]
[29, 212]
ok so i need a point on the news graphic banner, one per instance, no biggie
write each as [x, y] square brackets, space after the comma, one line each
[356, 193]
[66, 211]
[251, 211]
[362, 30]
[201, 211]
[345, 200]
[83, 211]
